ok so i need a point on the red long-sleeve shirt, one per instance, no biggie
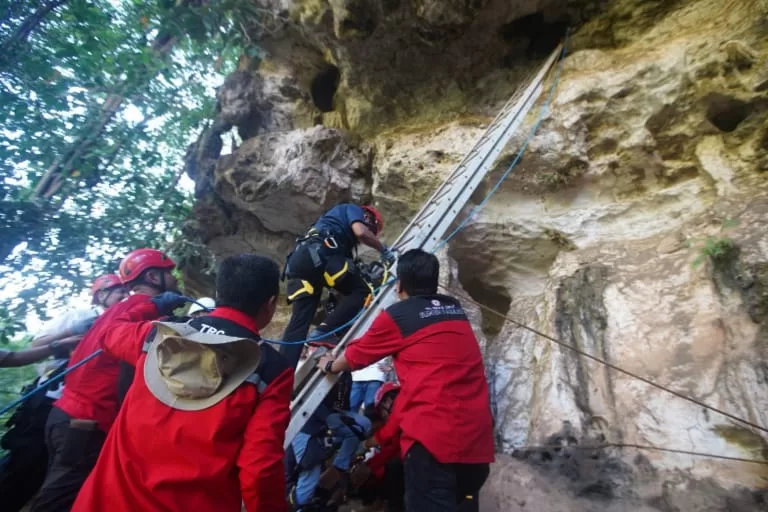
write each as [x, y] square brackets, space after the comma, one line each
[157, 458]
[443, 402]
[90, 391]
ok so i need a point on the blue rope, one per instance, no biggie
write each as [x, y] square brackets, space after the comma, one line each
[531, 134]
[459, 228]
[48, 382]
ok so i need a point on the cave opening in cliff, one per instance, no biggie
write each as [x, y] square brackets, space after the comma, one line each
[726, 112]
[495, 297]
[323, 87]
[533, 36]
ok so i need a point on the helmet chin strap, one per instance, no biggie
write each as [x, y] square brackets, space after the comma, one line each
[103, 303]
[163, 285]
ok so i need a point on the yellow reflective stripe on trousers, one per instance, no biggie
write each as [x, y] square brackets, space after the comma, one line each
[306, 287]
[331, 279]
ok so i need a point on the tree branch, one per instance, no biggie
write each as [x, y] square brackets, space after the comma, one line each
[22, 33]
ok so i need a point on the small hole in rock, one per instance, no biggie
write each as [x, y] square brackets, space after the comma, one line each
[542, 36]
[323, 88]
[726, 112]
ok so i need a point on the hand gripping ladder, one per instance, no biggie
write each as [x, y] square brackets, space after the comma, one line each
[425, 231]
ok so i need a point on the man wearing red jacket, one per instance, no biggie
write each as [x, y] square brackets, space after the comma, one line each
[444, 409]
[79, 421]
[203, 424]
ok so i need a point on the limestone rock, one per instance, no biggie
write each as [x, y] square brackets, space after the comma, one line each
[613, 234]
[448, 12]
[306, 170]
[237, 101]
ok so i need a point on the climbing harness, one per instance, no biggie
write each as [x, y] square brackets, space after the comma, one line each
[427, 229]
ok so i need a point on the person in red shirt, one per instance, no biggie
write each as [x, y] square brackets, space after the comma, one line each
[79, 420]
[23, 468]
[201, 427]
[444, 409]
[381, 476]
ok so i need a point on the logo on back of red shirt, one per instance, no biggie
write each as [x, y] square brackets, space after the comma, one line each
[440, 309]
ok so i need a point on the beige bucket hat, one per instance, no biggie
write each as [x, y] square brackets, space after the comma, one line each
[190, 370]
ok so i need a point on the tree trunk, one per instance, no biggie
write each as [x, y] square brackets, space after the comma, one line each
[68, 161]
[21, 35]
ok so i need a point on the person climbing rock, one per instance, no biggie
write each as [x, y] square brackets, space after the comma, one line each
[445, 419]
[203, 424]
[79, 421]
[323, 256]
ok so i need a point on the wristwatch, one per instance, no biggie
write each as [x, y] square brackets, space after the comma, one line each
[329, 367]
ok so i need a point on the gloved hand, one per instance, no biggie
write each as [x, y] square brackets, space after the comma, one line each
[166, 302]
[388, 256]
[82, 326]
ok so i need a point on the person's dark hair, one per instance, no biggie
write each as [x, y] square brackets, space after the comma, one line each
[373, 414]
[418, 272]
[246, 281]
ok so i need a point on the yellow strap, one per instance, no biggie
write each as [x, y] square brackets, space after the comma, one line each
[331, 279]
[306, 287]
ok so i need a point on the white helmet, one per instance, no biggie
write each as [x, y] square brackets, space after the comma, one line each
[201, 304]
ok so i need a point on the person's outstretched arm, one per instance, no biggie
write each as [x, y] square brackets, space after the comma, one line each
[31, 355]
[382, 339]
[129, 330]
[78, 329]
[366, 236]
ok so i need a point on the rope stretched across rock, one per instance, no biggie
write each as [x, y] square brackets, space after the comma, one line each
[634, 376]
[602, 446]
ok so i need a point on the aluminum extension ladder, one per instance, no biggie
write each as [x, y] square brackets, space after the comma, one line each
[425, 231]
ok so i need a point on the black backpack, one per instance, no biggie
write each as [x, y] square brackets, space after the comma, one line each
[27, 424]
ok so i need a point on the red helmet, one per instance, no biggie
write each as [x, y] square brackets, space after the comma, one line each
[140, 260]
[387, 387]
[105, 282]
[378, 219]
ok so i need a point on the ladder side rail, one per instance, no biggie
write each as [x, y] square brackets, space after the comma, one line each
[318, 385]
[438, 199]
[520, 99]
[426, 230]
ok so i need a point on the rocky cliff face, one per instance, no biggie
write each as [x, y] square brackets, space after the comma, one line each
[634, 227]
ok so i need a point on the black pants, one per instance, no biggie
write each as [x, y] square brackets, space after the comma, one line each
[305, 289]
[394, 486]
[434, 486]
[72, 455]
[21, 475]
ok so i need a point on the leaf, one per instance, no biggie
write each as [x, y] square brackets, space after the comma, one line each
[51, 105]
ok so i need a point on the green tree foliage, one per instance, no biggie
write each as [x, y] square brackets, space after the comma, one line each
[99, 100]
